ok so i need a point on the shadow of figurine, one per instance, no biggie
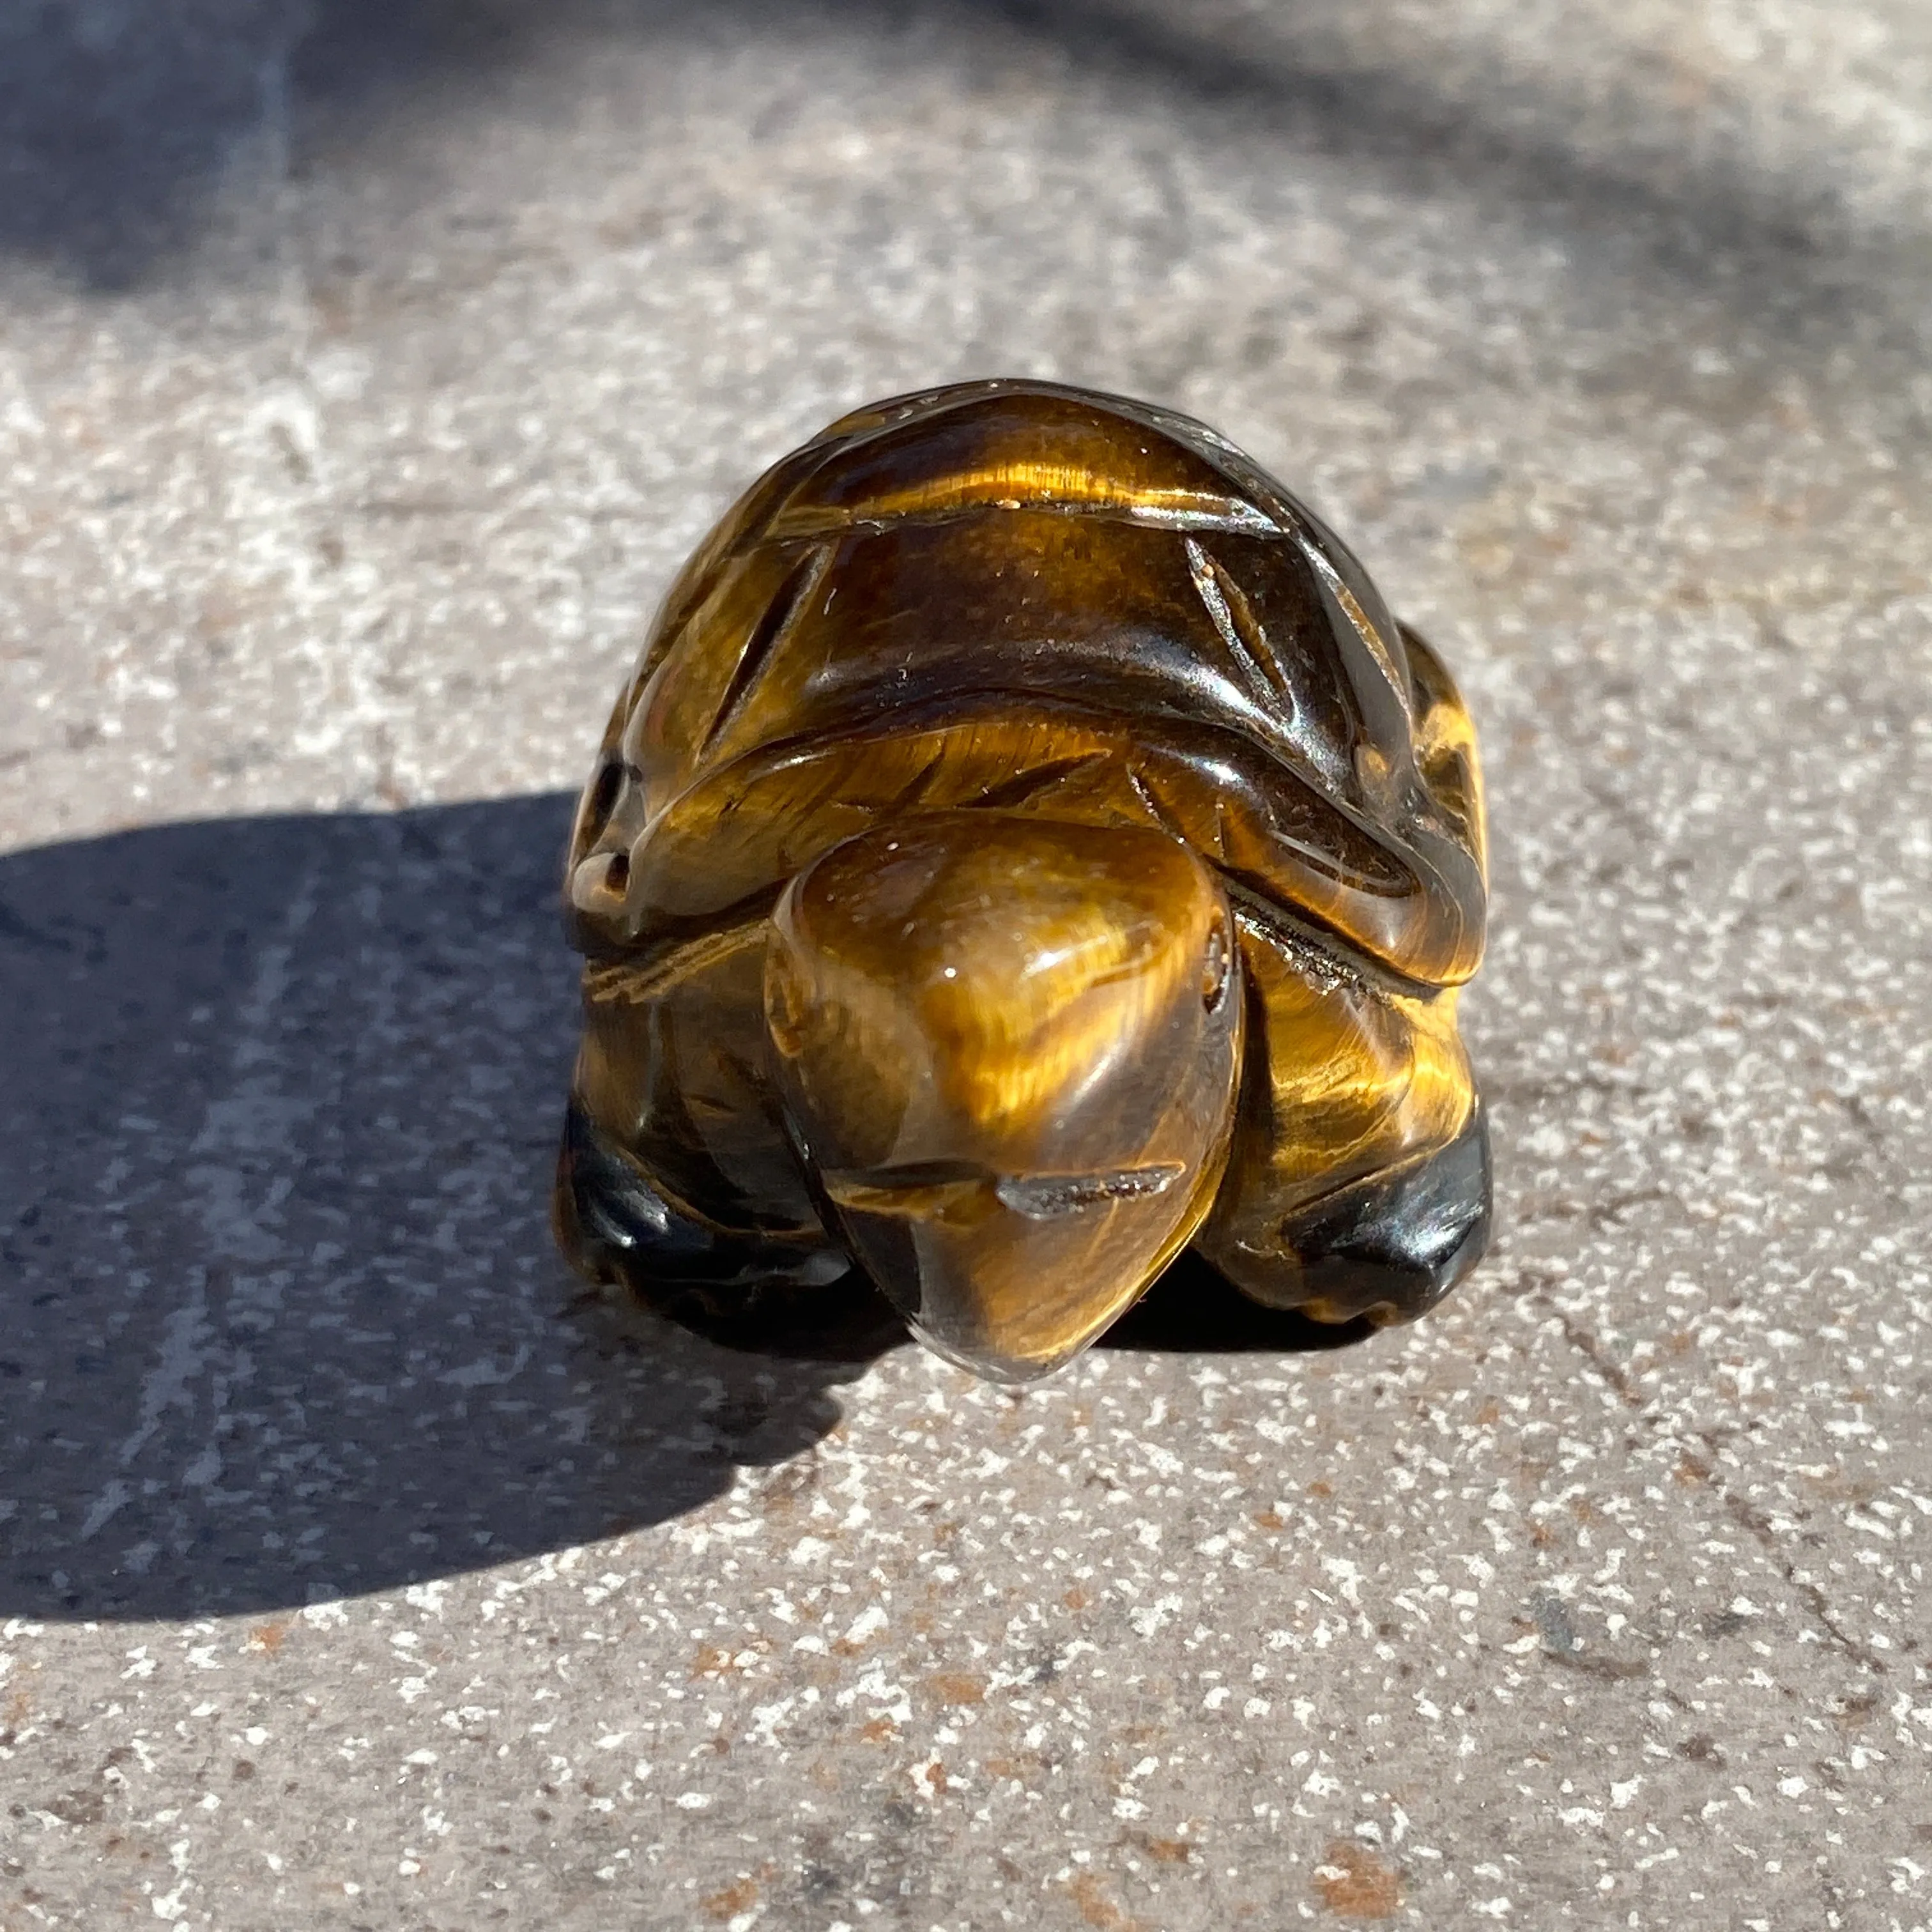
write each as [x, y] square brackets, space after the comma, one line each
[282, 1319]
[119, 119]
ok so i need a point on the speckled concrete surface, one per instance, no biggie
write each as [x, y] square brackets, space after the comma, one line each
[364, 370]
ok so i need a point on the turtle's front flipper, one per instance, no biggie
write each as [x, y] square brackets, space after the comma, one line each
[1359, 1181]
[617, 1222]
[1390, 1246]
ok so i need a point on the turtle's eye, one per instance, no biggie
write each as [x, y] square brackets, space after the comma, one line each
[1214, 968]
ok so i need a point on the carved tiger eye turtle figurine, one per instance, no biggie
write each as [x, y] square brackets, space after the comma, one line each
[1027, 846]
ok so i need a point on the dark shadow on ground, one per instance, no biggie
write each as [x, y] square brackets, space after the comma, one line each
[119, 118]
[1192, 1310]
[280, 1315]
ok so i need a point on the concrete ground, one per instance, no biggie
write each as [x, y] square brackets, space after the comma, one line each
[364, 370]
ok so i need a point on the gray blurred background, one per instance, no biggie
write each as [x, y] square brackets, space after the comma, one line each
[365, 370]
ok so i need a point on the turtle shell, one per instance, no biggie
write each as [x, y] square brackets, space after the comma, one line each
[1030, 598]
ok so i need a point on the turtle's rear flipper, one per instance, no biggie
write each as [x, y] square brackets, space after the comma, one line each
[1387, 1247]
[746, 1288]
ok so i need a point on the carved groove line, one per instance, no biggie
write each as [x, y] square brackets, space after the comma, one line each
[1228, 609]
[793, 595]
[637, 981]
[1156, 807]
[1225, 515]
[1373, 639]
[1025, 786]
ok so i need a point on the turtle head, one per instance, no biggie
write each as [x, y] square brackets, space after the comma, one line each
[1007, 1050]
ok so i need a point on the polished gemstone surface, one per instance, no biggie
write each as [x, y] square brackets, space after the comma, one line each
[1026, 845]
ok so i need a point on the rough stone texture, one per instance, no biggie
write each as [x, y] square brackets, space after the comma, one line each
[364, 370]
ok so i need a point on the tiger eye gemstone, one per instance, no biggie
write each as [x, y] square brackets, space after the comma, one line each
[1028, 845]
